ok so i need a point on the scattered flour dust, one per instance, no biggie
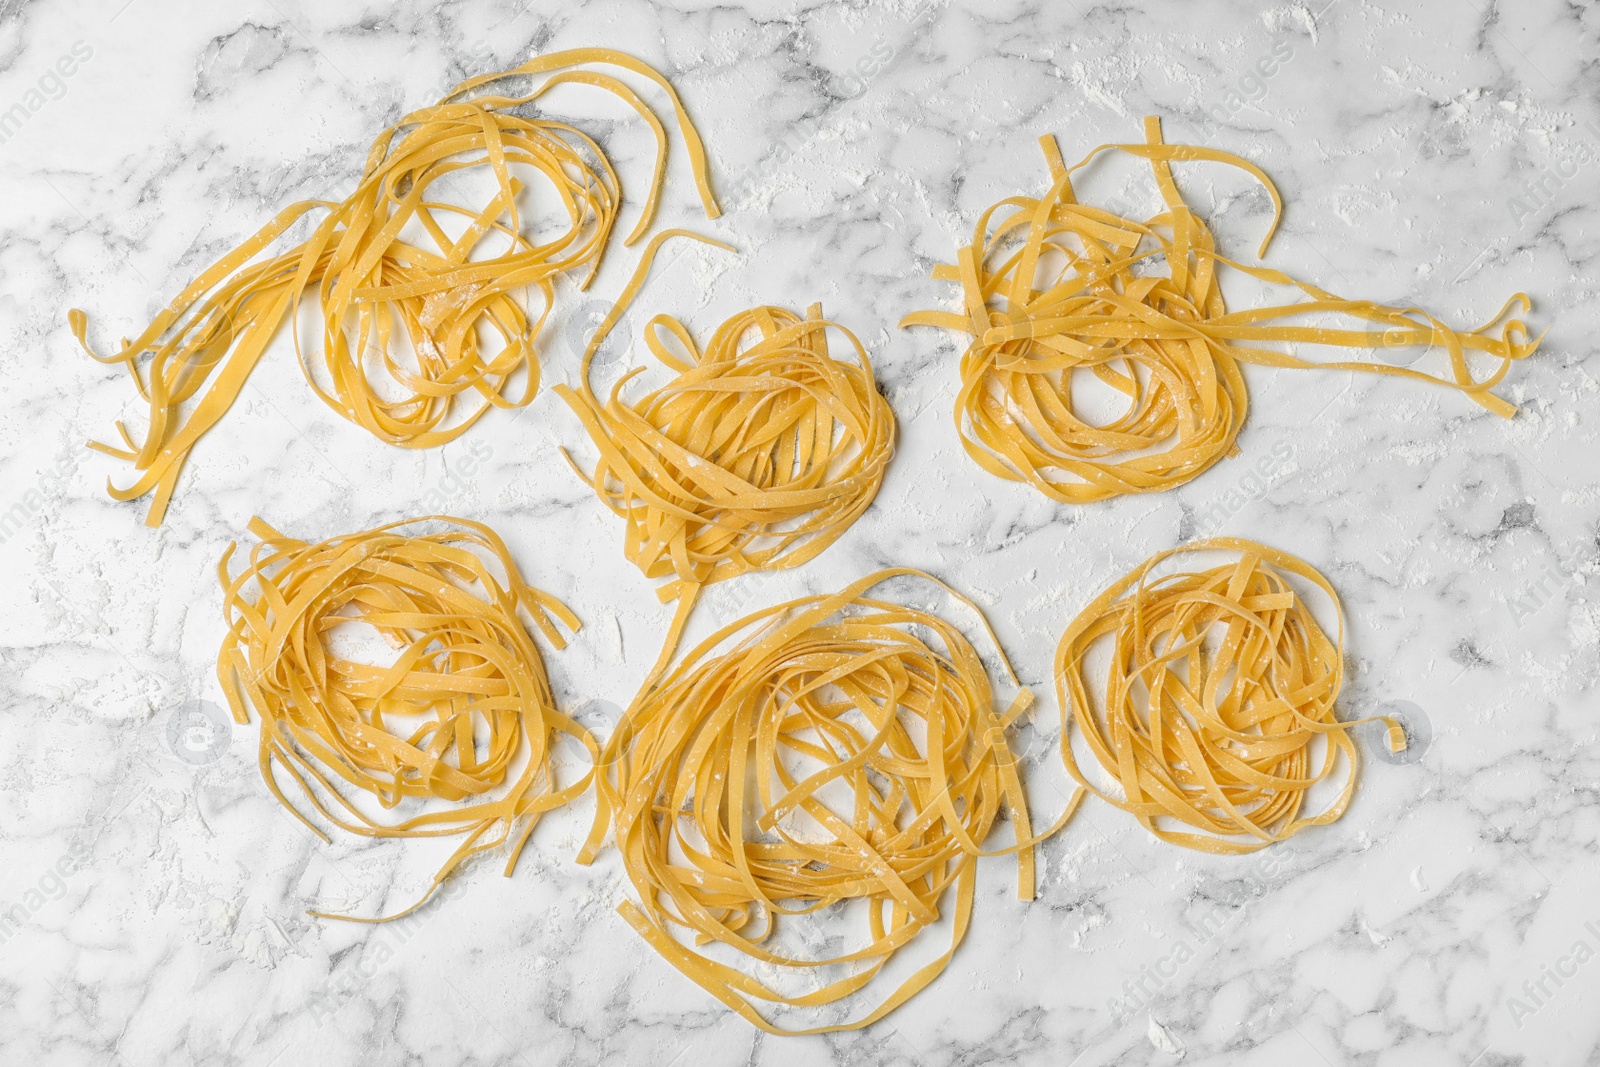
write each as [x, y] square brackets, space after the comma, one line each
[217, 920]
[1096, 89]
[1094, 918]
[1584, 626]
[1421, 453]
[1291, 17]
[1163, 1039]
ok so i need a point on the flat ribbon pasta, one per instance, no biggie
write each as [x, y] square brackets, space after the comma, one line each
[1221, 682]
[1166, 342]
[831, 749]
[758, 455]
[464, 701]
[446, 294]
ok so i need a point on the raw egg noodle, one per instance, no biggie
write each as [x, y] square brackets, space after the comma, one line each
[1165, 342]
[835, 749]
[465, 700]
[1220, 685]
[838, 748]
[371, 285]
[759, 453]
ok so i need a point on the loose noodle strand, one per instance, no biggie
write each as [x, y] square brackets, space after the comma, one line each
[758, 455]
[469, 337]
[1166, 342]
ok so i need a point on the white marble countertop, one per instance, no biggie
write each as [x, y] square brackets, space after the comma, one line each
[1441, 154]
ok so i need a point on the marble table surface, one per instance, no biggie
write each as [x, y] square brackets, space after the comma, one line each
[1432, 153]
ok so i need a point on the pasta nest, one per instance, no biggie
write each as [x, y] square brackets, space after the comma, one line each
[832, 749]
[758, 455]
[1053, 288]
[394, 258]
[1218, 706]
[463, 713]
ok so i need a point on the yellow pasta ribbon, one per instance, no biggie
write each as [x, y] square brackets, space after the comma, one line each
[832, 749]
[759, 453]
[465, 700]
[756, 456]
[1053, 287]
[446, 294]
[1217, 710]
